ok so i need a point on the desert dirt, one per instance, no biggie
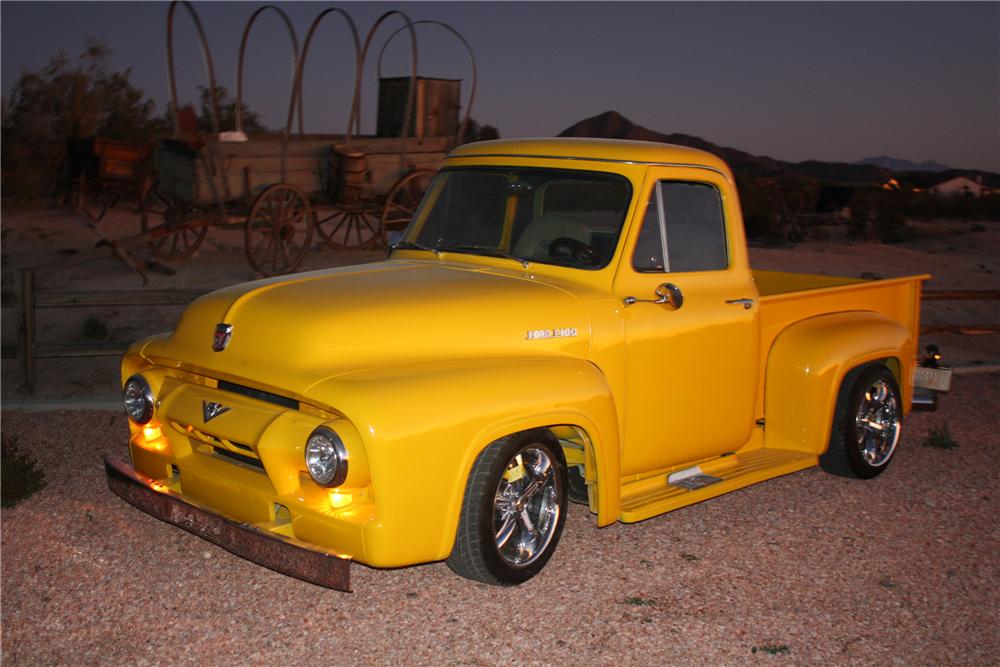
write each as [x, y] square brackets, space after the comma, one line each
[805, 569]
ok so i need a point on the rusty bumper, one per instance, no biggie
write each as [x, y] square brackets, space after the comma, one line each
[287, 556]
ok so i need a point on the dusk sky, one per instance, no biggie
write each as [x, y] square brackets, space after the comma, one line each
[795, 81]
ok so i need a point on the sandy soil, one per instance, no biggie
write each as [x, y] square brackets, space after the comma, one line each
[818, 569]
[898, 570]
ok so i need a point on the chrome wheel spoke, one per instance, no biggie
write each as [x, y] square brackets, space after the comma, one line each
[877, 423]
[506, 530]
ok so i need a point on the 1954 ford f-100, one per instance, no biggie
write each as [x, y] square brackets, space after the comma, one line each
[562, 320]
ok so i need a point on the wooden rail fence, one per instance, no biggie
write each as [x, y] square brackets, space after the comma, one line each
[27, 300]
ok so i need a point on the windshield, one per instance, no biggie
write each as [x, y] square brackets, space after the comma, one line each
[550, 216]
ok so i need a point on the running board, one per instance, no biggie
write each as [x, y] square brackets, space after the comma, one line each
[647, 498]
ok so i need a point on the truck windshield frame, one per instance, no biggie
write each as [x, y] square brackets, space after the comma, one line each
[564, 217]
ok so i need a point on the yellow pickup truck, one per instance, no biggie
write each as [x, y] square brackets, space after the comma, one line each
[563, 320]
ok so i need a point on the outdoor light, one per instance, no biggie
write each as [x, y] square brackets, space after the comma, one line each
[326, 457]
[138, 399]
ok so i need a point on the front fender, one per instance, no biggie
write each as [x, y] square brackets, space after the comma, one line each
[423, 426]
[807, 363]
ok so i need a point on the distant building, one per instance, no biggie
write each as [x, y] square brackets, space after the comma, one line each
[961, 185]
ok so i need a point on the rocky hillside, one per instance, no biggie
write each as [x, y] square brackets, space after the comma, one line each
[613, 125]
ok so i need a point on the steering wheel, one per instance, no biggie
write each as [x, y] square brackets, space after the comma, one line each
[565, 247]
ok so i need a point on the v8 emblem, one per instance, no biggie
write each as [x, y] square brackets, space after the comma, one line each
[211, 410]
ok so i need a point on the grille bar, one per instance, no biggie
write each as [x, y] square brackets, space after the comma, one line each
[246, 460]
[267, 396]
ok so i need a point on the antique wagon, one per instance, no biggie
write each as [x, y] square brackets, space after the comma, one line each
[280, 188]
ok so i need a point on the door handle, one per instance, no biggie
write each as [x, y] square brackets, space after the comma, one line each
[746, 303]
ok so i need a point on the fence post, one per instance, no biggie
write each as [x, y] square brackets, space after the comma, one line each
[26, 326]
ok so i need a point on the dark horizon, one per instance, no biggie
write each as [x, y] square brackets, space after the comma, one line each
[834, 82]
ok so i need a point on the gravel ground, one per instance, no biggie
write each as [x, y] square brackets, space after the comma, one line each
[813, 568]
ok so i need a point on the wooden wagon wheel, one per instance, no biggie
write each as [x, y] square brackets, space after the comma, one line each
[171, 225]
[278, 230]
[350, 228]
[402, 201]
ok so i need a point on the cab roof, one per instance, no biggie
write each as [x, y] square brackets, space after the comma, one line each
[615, 150]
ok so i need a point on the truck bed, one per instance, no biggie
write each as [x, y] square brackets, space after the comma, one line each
[786, 298]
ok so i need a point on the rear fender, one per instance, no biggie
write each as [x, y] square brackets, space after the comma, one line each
[424, 425]
[807, 363]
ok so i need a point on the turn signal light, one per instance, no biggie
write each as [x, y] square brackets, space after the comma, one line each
[338, 499]
[152, 438]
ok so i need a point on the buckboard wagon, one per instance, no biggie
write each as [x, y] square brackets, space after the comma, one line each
[350, 193]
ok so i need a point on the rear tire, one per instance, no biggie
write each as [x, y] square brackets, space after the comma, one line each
[867, 424]
[513, 511]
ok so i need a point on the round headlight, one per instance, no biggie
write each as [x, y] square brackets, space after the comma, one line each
[326, 457]
[138, 399]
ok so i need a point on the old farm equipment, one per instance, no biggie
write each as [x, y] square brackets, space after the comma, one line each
[98, 172]
[281, 188]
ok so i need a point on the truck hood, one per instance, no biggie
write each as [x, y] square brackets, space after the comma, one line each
[292, 332]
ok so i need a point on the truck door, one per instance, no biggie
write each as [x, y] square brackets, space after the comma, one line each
[691, 320]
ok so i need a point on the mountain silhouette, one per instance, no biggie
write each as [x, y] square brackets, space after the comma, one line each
[898, 164]
[613, 125]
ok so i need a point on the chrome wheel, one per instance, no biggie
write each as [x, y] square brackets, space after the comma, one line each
[867, 423]
[877, 423]
[513, 510]
[526, 507]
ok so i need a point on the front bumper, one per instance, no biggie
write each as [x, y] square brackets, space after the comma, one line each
[285, 555]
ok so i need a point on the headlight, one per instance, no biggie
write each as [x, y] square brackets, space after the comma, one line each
[138, 399]
[326, 457]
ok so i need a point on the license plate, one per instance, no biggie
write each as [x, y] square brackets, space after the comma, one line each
[938, 379]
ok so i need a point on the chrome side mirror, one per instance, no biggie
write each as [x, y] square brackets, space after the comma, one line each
[669, 295]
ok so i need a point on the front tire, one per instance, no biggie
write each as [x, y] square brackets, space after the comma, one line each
[866, 424]
[513, 511]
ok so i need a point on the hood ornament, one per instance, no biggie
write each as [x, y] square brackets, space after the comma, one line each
[210, 410]
[223, 333]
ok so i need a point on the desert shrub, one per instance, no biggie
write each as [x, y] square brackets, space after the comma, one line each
[62, 100]
[19, 475]
[890, 227]
[940, 438]
[77, 99]
[475, 131]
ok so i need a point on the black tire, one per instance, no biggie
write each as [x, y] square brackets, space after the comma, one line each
[866, 425]
[489, 500]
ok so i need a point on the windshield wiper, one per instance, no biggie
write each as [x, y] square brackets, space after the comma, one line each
[410, 245]
[484, 250]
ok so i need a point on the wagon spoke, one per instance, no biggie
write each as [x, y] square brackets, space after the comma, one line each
[399, 207]
[284, 253]
[367, 224]
[339, 226]
[297, 216]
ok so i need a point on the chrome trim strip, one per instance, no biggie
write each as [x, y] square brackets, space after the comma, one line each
[452, 156]
[662, 221]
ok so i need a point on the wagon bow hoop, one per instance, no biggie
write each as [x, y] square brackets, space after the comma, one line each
[411, 94]
[239, 66]
[297, 89]
[206, 55]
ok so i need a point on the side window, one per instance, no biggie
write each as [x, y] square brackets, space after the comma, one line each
[690, 214]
